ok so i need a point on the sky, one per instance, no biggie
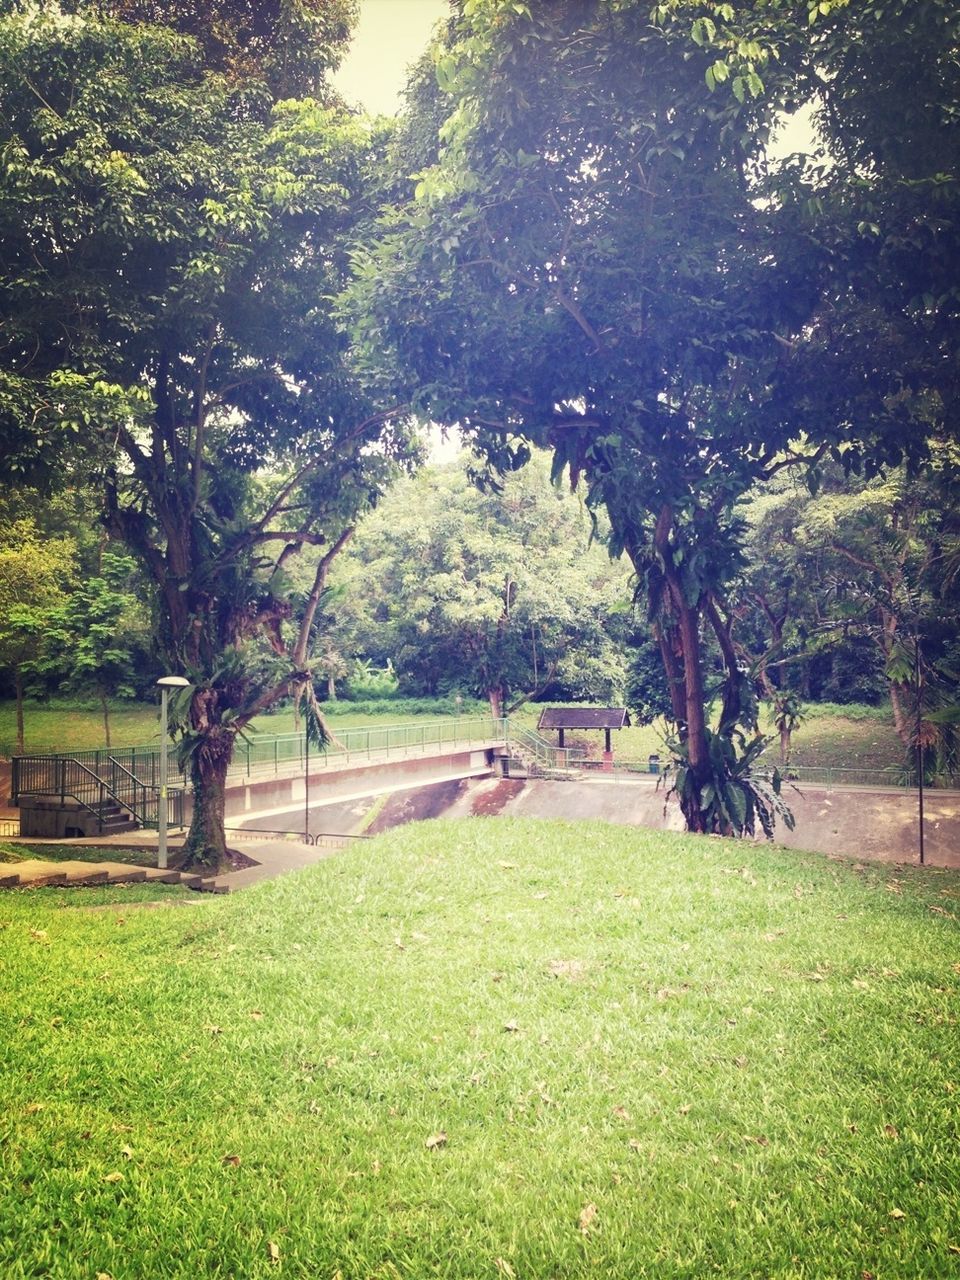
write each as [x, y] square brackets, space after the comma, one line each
[390, 35]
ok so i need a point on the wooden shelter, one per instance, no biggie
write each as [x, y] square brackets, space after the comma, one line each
[605, 718]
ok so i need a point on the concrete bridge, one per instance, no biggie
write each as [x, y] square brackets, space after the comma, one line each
[372, 779]
[105, 791]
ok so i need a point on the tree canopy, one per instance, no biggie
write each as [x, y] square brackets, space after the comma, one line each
[495, 594]
[598, 258]
[173, 230]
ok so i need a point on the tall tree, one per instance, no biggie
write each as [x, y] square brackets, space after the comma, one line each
[35, 573]
[94, 636]
[585, 267]
[873, 561]
[496, 593]
[173, 225]
[596, 260]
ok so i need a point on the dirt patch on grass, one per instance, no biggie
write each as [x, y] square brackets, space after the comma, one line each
[415, 805]
[492, 801]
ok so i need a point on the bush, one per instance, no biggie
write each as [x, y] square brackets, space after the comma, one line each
[399, 706]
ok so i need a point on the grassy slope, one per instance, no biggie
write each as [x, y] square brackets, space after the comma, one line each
[651, 1056]
[861, 737]
[14, 851]
[831, 736]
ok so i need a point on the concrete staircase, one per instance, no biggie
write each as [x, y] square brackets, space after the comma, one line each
[521, 762]
[39, 872]
[116, 820]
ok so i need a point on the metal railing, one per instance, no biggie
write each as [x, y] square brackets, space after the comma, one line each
[322, 839]
[265, 755]
[844, 776]
[122, 767]
[537, 751]
[96, 781]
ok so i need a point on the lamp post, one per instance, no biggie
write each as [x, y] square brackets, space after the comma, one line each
[919, 679]
[166, 683]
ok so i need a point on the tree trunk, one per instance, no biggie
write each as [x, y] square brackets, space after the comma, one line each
[106, 718]
[785, 735]
[205, 848]
[331, 689]
[903, 718]
[18, 688]
[684, 632]
[671, 655]
[901, 695]
[495, 698]
[698, 751]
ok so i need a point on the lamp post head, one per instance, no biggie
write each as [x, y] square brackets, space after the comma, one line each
[173, 682]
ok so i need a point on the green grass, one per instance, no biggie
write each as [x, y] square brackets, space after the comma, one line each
[20, 852]
[847, 737]
[651, 1056]
[831, 736]
[105, 895]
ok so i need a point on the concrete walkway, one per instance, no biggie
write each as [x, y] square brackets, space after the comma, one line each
[271, 857]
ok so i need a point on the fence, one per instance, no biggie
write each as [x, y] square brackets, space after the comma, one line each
[97, 780]
[798, 775]
[531, 747]
[130, 776]
[849, 777]
[266, 755]
[322, 839]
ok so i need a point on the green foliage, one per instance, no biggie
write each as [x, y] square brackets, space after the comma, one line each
[174, 225]
[639, 288]
[240, 37]
[35, 574]
[495, 594]
[735, 794]
[368, 683]
[847, 579]
[98, 632]
[389, 710]
[648, 695]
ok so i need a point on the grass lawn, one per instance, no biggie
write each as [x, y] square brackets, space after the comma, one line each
[831, 736]
[507, 1050]
[19, 852]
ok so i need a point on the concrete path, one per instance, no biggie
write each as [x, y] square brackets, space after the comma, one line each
[271, 858]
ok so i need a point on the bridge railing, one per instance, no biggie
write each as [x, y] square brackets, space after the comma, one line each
[543, 753]
[140, 766]
[265, 755]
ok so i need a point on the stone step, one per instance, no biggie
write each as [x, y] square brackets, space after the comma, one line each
[39, 872]
[159, 875]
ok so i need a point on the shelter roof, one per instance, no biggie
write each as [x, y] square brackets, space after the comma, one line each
[584, 718]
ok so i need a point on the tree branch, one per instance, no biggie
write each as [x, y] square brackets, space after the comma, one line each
[313, 599]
